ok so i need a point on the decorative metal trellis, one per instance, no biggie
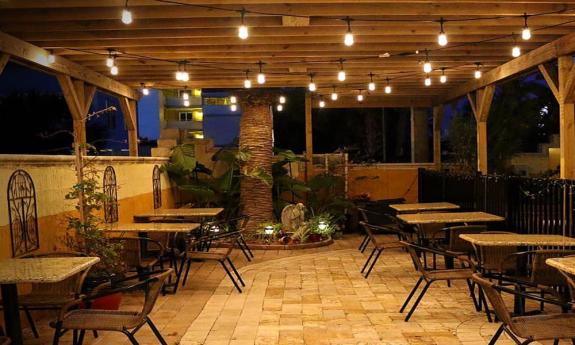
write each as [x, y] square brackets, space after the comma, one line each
[111, 191]
[157, 187]
[22, 213]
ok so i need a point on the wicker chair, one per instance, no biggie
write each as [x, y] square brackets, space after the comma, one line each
[532, 328]
[455, 244]
[231, 230]
[127, 322]
[134, 259]
[384, 223]
[378, 246]
[430, 276]
[51, 296]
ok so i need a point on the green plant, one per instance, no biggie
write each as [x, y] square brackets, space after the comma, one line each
[322, 224]
[326, 196]
[284, 183]
[302, 233]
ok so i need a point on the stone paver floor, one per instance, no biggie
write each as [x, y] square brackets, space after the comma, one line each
[315, 296]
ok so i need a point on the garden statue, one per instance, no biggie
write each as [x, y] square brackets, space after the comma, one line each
[293, 216]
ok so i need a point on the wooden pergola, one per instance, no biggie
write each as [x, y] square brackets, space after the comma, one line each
[295, 41]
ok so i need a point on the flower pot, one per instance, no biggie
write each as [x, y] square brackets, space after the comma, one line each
[109, 302]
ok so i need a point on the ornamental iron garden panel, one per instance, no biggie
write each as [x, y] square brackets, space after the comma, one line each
[22, 213]
[157, 187]
[111, 192]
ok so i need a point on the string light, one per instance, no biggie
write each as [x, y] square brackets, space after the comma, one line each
[111, 59]
[526, 33]
[477, 73]
[261, 76]
[321, 103]
[427, 68]
[181, 73]
[186, 103]
[443, 77]
[185, 95]
[126, 15]
[114, 70]
[387, 86]
[371, 85]
[516, 50]
[233, 107]
[442, 37]
[360, 96]
[145, 90]
[233, 100]
[280, 107]
[348, 38]
[243, 32]
[341, 73]
[427, 80]
[334, 95]
[51, 57]
[312, 87]
[247, 81]
[282, 99]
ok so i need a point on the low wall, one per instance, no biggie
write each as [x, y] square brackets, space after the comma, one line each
[53, 177]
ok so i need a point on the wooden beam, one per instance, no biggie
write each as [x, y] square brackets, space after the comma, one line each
[75, 104]
[566, 117]
[128, 107]
[562, 46]
[482, 147]
[550, 82]
[4, 58]
[38, 57]
[437, 119]
[485, 97]
[480, 105]
[377, 101]
[308, 136]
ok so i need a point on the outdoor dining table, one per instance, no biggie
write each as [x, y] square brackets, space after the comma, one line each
[183, 214]
[565, 264]
[449, 217]
[33, 270]
[424, 207]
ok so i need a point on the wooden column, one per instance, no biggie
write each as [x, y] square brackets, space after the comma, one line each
[480, 105]
[78, 97]
[129, 110]
[564, 93]
[4, 58]
[437, 118]
[308, 136]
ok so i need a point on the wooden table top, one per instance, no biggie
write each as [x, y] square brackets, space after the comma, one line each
[424, 206]
[181, 212]
[565, 264]
[152, 227]
[43, 270]
[449, 217]
[513, 240]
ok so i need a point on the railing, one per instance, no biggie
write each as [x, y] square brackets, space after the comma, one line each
[529, 205]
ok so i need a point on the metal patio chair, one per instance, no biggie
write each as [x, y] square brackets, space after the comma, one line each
[378, 246]
[386, 223]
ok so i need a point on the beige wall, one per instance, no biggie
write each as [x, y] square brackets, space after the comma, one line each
[53, 177]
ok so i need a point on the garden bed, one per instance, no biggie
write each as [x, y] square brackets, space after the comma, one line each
[262, 245]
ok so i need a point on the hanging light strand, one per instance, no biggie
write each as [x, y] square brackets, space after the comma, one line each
[312, 87]
[243, 32]
[526, 32]
[442, 37]
[427, 68]
[261, 76]
[348, 39]
[371, 85]
[127, 15]
[341, 74]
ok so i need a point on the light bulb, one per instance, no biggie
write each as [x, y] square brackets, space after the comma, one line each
[516, 51]
[443, 79]
[261, 78]
[387, 89]
[233, 107]
[312, 87]
[526, 33]
[179, 75]
[51, 58]
[185, 76]
[341, 75]
[186, 103]
[427, 67]
[114, 70]
[145, 91]
[280, 107]
[185, 96]
[334, 96]
[427, 81]
[348, 39]
[282, 99]
[243, 32]
[371, 86]
[233, 100]
[442, 39]
[360, 98]
[247, 83]
[477, 74]
[322, 103]
[126, 16]
[110, 61]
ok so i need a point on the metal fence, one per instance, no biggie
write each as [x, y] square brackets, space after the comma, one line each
[529, 205]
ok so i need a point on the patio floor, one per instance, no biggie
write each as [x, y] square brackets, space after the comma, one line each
[314, 296]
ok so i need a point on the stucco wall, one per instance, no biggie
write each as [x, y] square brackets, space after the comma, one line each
[53, 177]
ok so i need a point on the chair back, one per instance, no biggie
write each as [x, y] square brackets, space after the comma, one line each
[492, 256]
[71, 286]
[131, 252]
[458, 245]
[153, 287]
[570, 279]
[495, 299]
[414, 252]
[543, 274]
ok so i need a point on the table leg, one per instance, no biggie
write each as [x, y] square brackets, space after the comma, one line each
[12, 313]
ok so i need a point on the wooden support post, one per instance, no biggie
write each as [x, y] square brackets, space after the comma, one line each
[437, 118]
[4, 58]
[480, 105]
[129, 110]
[308, 136]
[567, 116]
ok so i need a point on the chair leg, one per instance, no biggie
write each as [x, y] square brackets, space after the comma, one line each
[418, 300]
[368, 260]
[497, 334]
[131, 337]
[156, 332]
[56, 339]
[81, 337]
[364, 243]
[187, 271]
[75, 337]
[246, 245]
[373, 262]
[483, 300]
[31, 322]
[95, 334]
[230, 276]
[472, 294]
[556, 342]
[240, 245]
[411, 294]
[236, 271]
